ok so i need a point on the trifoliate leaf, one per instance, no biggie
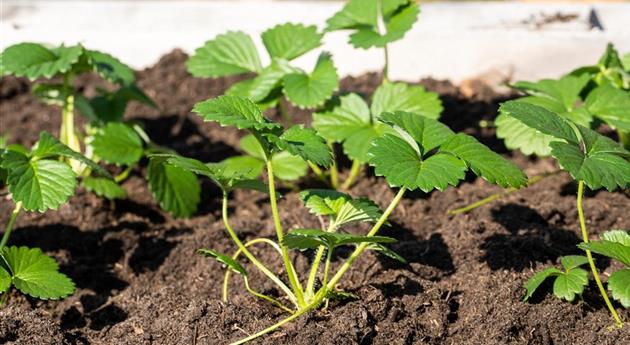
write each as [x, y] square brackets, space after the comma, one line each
[34, 61]
[264, 88]
[227, 54]
[351, 115]
[396, 25]
[313, 238]
[49, 147]
[619, 285]
[541, 119]
[611, 105]
[224, 259]
[290, 40]
[39, 184]
[234, 111]
[600, 164]
[341, 207]
[36, 274]
[393, 97]
[613, 250]
[288, 167]
[312, 90]
[5, 280]
[110, 68]
[428, 133]
[618, 236]
[175, 189]
[387, 252]
[118, 143]
[570, 262]
[537, 279]
[104, 187]
[570, 283]
[484, 162]
[306, 143]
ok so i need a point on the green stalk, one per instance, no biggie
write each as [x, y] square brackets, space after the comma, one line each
[265, 297]
[334, 176]
[354, 173]
[386, 66]
[318, 173]
[9, 228]
[327, 266]
[250, 256]
[591, 262]
[293, 278]
[318, 258]
[123, 175]
[360, 248]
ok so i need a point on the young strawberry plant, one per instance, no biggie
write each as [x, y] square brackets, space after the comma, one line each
[589, 96]
[375, 23]
[38, 181]
[234, 53]
[592, 159]
[415, 152]
[615, 244]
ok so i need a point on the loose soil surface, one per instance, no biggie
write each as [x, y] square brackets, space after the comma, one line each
[139, 281]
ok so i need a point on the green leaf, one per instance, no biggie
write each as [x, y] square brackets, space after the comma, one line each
[313, 238]
[288, 167]
[175, 189]
[341, 207]
[484, 162]
[312, 90]
[402, 165]
[387, 252]
[613, 250]
[426, 132]
[290, 40]
[37, 274]
[224, 259]
[518, 135]
[611, 105]
[227, 54]
[534, 282]
[619, 285]
[110, 68]
[49, 147]
[39, 184]
[602, 164]
[570, 262]
[618, 236]
[570, 283]
[393, 97]
[565, 91]
[306, 143]
[104, 187]
[395, 28]
[355, 14]
[264, 88]
[247, 166]
[357, 146]
[626, 62]
[351, 115]
[541, 119]
[337, 295]
[34, 61]
[5, 280]
[118, 143]
[234, 111]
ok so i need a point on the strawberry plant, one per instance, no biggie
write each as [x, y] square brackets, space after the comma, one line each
[589, 96]
[38, 181]
[234, 53]
[592, 159]
[415, 152]
[375, 23]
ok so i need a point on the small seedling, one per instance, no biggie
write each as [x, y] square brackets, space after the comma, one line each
[234, 53]
[567, 284]
[375, 23]
[589, 157]
[38, 181]
[353, 124]
[615, 244]
[416, 152]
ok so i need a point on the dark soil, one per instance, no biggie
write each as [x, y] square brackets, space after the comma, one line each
[139, 281]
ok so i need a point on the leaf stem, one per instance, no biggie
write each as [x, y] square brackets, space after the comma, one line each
[327, 266]
[346, 265]
[354, 173]
[250, 256]
[318, 172]
[123, 175]
[9, 228]
[334, 171]
[226, 277]
[293, 278]
[318, 258]
[501, 194]
[386, 66]
[265, 297]
[589, 256]
[277, 325]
